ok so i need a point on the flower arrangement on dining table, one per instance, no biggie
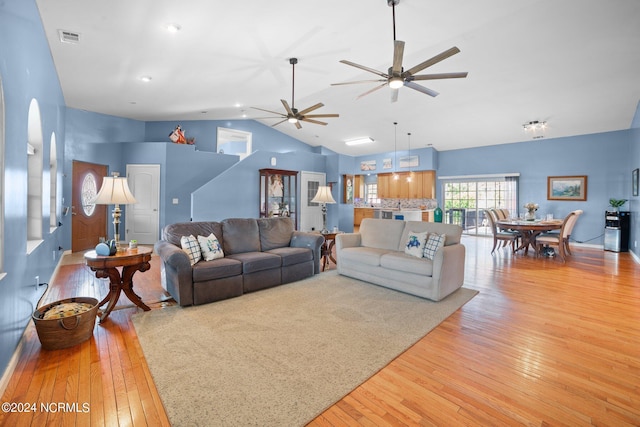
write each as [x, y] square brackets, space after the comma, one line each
[531, 211]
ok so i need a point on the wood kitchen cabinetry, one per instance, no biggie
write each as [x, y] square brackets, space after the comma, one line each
[361, 213]
[358, 187]
[422, 185]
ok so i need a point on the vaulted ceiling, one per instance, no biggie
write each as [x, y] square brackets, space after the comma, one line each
[572, 63]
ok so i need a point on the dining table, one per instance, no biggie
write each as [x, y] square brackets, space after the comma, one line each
[529, 229]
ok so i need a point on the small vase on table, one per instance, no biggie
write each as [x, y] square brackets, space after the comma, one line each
[530, 215]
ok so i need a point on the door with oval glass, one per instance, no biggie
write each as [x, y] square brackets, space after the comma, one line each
[88, 220]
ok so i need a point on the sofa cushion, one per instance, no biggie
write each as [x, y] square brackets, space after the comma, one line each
[210, 247]
[216, 269]
[382, 233]
[275, 232]
[407, 263]
[191, 247]
[362, 255]
[434, 242]
[240, 235]
[292, 256]
[173, 232]
[257, 261]
[414, 244]
[452, 231]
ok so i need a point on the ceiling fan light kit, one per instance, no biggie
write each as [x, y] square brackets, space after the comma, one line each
[396, 77]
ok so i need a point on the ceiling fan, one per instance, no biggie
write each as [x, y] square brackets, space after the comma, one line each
[396, 76]
[292, 114]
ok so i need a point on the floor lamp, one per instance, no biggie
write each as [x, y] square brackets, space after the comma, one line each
[323, 196]
[115, 191]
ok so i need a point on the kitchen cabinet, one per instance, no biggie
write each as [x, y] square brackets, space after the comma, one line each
[358, 187]
[361, 213]
[422, 185]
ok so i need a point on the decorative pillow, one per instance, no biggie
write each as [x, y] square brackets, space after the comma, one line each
[210, 247]
[415, 244]
[191, 246]
[434, 242]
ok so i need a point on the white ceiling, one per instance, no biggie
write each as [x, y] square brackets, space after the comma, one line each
[573, 63]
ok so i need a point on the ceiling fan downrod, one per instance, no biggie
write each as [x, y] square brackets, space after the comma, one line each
[293, 62]
[393, 4]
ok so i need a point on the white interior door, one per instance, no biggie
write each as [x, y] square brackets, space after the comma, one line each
[143, 218]
[310, 213]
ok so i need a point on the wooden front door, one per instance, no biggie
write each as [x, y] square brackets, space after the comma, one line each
[89, 221]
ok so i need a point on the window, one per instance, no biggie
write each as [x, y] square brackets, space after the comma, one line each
[465, 198]
[34, 177]
[371, 193]
[53, 184]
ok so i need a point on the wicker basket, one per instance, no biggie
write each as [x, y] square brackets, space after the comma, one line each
[68, 331]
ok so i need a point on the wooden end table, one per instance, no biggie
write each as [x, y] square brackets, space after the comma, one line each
[131, 260]
[326, 250]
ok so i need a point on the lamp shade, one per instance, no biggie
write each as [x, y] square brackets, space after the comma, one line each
[114, 191]
[323, 195]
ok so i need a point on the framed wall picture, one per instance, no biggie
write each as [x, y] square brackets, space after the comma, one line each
[567, 188]
[634, 182]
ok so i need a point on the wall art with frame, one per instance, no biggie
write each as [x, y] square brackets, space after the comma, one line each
[567, 188]
[634, 182]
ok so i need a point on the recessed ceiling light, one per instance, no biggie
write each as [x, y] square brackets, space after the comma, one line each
[358, 141]
[145, 79]
[173, 28]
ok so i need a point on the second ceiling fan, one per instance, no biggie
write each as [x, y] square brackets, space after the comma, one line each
[292, 114]
[396, 77]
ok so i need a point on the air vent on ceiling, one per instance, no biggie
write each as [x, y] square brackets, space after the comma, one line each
[69, 36]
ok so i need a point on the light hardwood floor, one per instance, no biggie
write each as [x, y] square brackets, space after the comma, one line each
[543, 343]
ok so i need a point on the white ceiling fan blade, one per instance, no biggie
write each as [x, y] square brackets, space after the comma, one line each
[422, 89]
[362, 67]
[438, 76]
[429, 62]
[398, 52]
[308, 110]
[372, 90]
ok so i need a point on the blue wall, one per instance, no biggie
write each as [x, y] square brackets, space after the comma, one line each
[604, 158]
[26, 72]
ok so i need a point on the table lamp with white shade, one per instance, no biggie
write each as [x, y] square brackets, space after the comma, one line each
[115, 191]
[324, 196]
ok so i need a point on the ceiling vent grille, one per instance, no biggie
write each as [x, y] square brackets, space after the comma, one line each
[69, 36]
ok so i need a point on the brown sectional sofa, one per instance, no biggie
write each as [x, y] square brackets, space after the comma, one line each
[259, 253]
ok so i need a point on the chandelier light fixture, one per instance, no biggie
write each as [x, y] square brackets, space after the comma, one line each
[536, 128]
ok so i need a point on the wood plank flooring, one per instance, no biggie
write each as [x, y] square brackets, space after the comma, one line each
[543, 344]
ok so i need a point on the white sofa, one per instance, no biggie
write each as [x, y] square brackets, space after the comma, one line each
[376, 254]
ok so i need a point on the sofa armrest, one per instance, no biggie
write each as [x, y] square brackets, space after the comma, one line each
[448, 269]
[313, 241]
[347, 240]
[176, 273]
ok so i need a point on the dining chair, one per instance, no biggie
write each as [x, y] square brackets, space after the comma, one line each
[499, 214]
[561, 240]
[505, 213]
[501, 236]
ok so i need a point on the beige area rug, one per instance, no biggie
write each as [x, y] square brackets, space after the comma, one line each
[281, 356]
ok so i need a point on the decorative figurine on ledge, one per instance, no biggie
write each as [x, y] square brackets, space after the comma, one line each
[177, 136]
